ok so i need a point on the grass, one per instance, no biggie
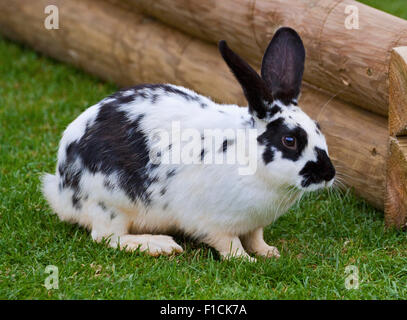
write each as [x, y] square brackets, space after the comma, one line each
[318, 239]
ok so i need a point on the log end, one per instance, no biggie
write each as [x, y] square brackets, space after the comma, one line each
[396, 184]
[398, 92]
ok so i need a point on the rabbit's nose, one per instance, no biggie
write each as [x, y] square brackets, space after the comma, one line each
[329, 172]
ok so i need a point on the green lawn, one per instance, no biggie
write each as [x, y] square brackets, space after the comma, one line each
[318, 239]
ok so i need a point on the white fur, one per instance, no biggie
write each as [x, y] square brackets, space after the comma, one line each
[202, 200]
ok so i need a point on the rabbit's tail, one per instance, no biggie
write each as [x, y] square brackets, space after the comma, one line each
[58, 201]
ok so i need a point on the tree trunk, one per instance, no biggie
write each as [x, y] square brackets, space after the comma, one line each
[396, 186]
[398, 92]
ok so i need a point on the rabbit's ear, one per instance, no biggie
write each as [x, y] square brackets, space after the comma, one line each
[283, 65]
[254, 87]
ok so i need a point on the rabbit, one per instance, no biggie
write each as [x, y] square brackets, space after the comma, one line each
[111, 179]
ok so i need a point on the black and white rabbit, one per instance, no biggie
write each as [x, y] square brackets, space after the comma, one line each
[111, 179]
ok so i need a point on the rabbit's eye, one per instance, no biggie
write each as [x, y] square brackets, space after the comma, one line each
[290, 142]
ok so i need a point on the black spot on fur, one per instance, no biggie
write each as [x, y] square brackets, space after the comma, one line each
[113, 215]
[154, 98]
[152, 92]
[225, 145]
[76, 202]
[249, 122]
[102, 206]
[108, 185]
[202, 155]
[268, 155]
[155, 165]
[163, 191]
[317, 171]
[272, 137]
[165, 206]
[151, 89]
[152, 179]
[203, 105]
[273, 111]
[125, 99]
[171, 173]
[71, 176]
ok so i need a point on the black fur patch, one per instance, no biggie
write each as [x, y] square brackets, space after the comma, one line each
[155, 165]
[108, 185]
[317, 171]
[163, 191]
[225, 145]
[249, 122]
[113, 215]
[272, 137]
[125, 99]
[149, 91]
[76, 201]
[203, 152]
[71, 177]
[178, 92]
[154, 98]
[171, 173]
[102, 206]
[273, 110]
[114, 144]
[268, 155]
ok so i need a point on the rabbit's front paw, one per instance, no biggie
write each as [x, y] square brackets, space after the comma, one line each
[153, 245]
[240, 255]
[254, 243]
[228, 246]
[267, 251]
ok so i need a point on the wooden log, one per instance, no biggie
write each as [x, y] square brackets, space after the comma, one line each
[122, 46]
[357, 141]
[117, 45]
[350, 63]
[396, 186]
[398, 92]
